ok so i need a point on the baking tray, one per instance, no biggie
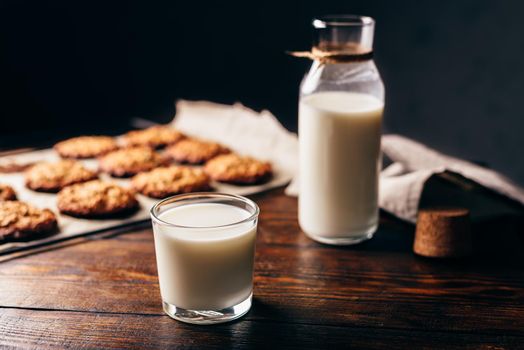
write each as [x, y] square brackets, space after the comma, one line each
[70, 227]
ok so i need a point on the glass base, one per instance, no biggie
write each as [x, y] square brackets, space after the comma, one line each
[208, 316]
[354, 239]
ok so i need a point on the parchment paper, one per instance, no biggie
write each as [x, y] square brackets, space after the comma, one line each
[262, 136]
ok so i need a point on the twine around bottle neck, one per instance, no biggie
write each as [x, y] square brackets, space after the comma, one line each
[328, 54]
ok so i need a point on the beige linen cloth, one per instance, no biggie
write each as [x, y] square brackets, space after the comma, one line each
[262, 136]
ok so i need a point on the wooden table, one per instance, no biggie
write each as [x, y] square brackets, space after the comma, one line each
[102, 292]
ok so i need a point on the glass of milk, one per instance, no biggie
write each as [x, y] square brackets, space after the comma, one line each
[205, 247]
[340, 118]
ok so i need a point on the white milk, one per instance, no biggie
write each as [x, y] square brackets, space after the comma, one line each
[339, 136]
[205, 268]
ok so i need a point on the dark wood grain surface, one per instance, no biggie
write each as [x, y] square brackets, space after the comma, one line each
[102, 292]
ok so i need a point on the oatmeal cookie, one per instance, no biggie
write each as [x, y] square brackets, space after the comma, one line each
[7, 193]
[236, 169]
[193, 151]
[127, 162]
[155, 136]
[19, 220]
[53, 176]
[85, 147]
[164, 182]
[96, 199]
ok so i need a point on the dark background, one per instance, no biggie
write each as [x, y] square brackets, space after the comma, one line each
[453, 69]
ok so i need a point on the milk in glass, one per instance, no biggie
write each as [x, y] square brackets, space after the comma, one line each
[202, 268]
[339, 163]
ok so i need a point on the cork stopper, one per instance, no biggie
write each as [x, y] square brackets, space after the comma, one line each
[443, 233]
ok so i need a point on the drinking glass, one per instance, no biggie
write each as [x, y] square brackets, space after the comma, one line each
[205, 246]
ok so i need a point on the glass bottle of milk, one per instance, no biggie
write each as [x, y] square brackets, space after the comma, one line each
[340, 117]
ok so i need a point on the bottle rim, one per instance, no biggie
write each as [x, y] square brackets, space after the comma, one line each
[342, 21]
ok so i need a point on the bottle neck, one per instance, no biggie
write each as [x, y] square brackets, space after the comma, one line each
[344, 38]
[342, 55]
